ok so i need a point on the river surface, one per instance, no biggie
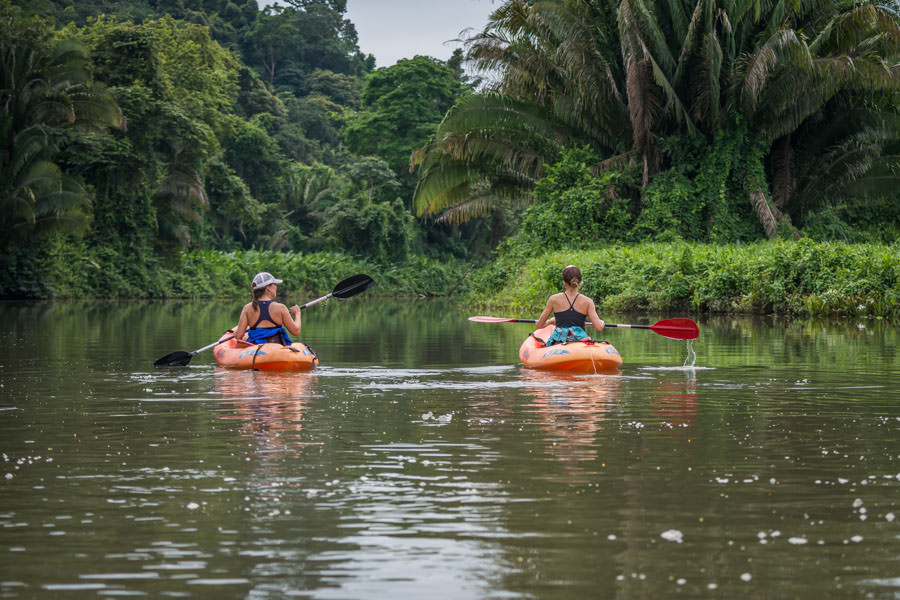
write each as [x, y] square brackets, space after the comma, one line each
[422, 461]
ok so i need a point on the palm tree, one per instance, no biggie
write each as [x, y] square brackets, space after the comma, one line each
[558, 85]
[45, 90]
[620, 77]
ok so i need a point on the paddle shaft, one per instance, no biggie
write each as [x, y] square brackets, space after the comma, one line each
[317, 300]
[230, 337]
[586, 323]
[676, 329]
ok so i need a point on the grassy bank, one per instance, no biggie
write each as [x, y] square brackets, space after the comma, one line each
[793, 278]
[796, 277]
[68, 273]
[229, 274]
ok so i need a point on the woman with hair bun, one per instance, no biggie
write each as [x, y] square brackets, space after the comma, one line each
[264, 320]
[570, 309]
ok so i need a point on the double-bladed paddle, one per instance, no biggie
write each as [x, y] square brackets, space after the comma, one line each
[345, 289]
[677, 329]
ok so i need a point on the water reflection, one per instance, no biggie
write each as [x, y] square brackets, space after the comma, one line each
[268, 406]
[425, 458]
[570, 410]
[675, 402]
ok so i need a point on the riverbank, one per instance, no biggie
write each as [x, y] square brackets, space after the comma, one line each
[66, 274]
[785, 277]
[802, 278]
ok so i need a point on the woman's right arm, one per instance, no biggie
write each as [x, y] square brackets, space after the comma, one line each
[596, 321]
[241, 328]
[542, 321]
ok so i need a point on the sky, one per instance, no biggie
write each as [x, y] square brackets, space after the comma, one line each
[395, 29]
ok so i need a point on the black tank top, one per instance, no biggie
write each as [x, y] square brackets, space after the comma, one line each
[570, 317]
[264, 314]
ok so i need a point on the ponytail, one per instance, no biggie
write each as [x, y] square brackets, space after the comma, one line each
[256, 296]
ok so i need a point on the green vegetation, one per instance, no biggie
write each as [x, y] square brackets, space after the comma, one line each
[801, 278]
[162, 148]
[741, 118]
[139, 135]
[212, 273]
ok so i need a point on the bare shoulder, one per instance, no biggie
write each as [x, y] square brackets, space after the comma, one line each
[584, 303]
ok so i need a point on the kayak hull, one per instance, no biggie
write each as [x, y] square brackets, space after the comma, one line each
[235, 354]
[573, 357]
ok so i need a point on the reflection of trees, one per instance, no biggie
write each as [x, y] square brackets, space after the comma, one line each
[737, 341]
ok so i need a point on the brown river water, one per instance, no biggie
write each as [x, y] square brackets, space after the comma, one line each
[421, 460]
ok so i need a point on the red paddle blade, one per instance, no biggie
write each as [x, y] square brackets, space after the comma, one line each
[492, 320]
[677, 329]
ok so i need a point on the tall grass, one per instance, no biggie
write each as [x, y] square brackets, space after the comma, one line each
[73, 273]
[790, 277]
[223, 274]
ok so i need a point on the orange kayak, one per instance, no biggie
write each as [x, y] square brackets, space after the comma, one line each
[577, 357]
[236, 354]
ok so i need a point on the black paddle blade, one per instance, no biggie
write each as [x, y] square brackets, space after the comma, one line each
[175, 359]
[352, 286]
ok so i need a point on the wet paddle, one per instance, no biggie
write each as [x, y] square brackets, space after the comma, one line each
[677, 329]
[345, 289]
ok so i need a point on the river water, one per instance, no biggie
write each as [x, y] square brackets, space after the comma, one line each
[421, 460]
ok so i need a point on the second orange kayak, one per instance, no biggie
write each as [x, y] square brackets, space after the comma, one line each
[576, 357]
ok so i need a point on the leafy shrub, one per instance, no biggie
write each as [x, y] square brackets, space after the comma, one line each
[379, 231]
[574, 207]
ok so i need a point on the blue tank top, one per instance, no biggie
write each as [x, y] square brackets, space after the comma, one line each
[570, 317]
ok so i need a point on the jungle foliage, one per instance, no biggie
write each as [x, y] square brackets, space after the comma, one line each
[144, 143]
[744, 119]
[136, 132]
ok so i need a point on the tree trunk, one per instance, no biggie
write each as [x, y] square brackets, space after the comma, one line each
[764, 212]
[769, 216]
[784, 181]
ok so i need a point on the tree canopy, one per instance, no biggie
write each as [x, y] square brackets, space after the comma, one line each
[640, 81]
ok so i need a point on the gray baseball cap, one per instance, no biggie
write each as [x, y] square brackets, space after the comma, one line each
[264, 279]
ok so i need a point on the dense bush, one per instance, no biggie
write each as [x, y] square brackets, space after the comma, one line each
[574, 207]
[209, 273]
[801, 277]
[72, 269]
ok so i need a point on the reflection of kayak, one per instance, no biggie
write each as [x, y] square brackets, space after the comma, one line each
[581, 357]
[265, 357]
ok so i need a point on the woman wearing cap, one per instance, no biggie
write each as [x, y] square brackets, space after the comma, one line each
[570, 310]
[271, 321]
